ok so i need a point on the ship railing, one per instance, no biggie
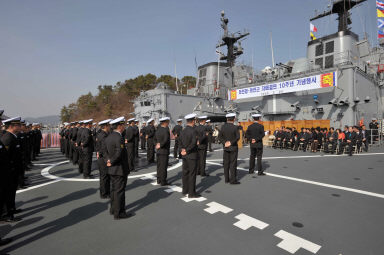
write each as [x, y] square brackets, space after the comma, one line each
[375, 137]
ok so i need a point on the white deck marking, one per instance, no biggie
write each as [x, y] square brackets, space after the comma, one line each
[245, 222]
[154, 183]
[214, 207]
[198, 199]
[37, 186]
[363, 192]
[148, 177]
[292, 243]
[309, 156]
[46, 174]
[173, 188]
[42, 164]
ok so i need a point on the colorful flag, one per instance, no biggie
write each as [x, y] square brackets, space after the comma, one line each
[380, 13]
[312, 27]
[380, 23]
[379, 4]
[380, 34]
[313, 37]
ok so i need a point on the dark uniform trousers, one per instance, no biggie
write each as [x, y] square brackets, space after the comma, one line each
[230, 165]
[162, 165]
[87, 161]
[118, 183]
[80, 161]
[71, 149]
[210, 139]
[189, 174]
[176, 150]
[150, 150]
[255, 152]
[105, 185]
[131, 155]
[202, 158]
[143, 142]
[75, 156]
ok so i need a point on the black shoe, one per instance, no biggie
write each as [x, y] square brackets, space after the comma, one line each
[226, 181]
[251, 171]
[194, 196]
[236, 182]
[261, 173]
[123, 216]
[185, 194]
[13, 219]
[17, 211]
[5, 241]
[88, 177]
[204, 175]
[164, 184]
[105, 197]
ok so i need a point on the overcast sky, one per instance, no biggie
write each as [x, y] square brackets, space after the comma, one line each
[52, 51]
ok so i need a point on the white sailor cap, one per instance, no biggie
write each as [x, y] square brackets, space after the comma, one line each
[230, 115]
[15, 120]
[150, 120]
[120, 120]
[164, 119]
[35, 124]
[256, 115]
[179, 120]
[190, 116]
[208, 121]
[94, 123]
[104, 122]
[88, 121]
[131, 120]
[204, 117]
[28, 124]
[373, 118]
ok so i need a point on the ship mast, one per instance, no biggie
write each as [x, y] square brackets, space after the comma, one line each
[341, 8]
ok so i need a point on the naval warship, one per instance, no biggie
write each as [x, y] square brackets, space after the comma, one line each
[339, 82]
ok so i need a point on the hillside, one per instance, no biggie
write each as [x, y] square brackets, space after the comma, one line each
[117, 100]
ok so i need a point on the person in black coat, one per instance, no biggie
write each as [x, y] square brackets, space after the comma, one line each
[87, 147]
[129, 137]
[142, 136]
[14, 155]
[163, 145]
[101, 154]
[75, 152]
[255, 134]
[118, 170]
[350, 138]
[229, 136]
[137, 138]
[331, 140]
[210, 134]
[176, 131]
[366, 138]
[202, 138]
[79, 149]
[188, 145]
[5, 176]
[149, 135]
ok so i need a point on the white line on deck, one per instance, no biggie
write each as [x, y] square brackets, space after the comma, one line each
[363, 192]
[292, 243]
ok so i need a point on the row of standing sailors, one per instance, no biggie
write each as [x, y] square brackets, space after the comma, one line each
[19, 146]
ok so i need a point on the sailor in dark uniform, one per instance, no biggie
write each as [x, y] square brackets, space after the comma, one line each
[5, 176]
[229, 136]
[143, 141]
[163, 145]
[118, 170]
[149, 135]
[75, 152]
[22, 139]
[202, 138]
[137, 138]
[210, 134]
[176, 131]
[188, 145]
[255, 134]
[87, 147]
[101, 153]
[71, 147]
[330, 139]
[80, 160]
[129, 137]
[14, 154]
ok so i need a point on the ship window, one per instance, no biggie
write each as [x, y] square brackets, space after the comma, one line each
[329, 61]
[142, 103]
[329, 47]
[202, 82]
[319, 50]
[203, 72]
[319, 62]
[147, 103]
